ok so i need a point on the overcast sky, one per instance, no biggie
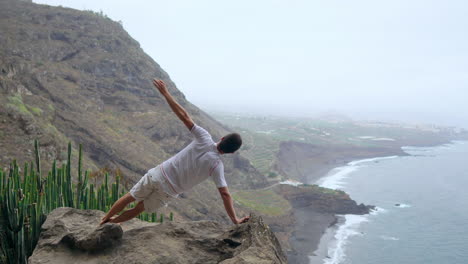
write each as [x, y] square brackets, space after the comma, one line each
[399, 60]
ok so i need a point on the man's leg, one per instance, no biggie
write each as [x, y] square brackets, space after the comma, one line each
[129, 214]
[118, 206]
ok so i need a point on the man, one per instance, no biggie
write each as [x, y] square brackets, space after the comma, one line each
[196, 162]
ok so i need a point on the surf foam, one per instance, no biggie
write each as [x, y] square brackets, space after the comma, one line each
[402, 205]
[335, 178]
[291, 182]
[389, 238]
[337, 249]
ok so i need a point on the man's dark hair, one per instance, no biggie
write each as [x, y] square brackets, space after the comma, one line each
[230, 143]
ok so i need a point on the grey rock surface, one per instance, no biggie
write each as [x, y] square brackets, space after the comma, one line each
[74, 236]
[100, 238]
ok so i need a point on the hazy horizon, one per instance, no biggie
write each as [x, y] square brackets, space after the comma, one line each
[396, 60]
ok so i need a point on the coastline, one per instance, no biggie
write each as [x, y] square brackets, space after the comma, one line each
[306, 152]
[310, 226]
[333, 180]
[328, 239]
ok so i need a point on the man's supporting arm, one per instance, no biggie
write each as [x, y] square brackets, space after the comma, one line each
[229, 206]
[176, 107]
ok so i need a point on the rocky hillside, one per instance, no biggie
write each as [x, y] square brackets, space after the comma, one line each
[72, 236]
[68, 75]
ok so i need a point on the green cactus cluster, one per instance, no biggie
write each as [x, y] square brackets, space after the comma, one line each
[27, 197]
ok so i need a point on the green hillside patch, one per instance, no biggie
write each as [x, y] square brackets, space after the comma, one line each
[266, 202]
[324, 190]
[16, 102]
[36, 110]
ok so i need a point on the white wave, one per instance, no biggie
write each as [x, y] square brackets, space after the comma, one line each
[389, 238]
[291, 182]
[358, 162]
[378, 210]
[402, 205]
[383, 139]
[412, 148]
[450, 145]
[336, 252]
[335, 177]
[376, 138]
[264, 132]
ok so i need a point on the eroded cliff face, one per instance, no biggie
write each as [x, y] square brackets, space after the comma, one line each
[73, 236]
[68, 75]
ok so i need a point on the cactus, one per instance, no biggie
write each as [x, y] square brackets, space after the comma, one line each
[80, 183]
[38, 162]
[26, 200]
[13, 209]
[69, 179]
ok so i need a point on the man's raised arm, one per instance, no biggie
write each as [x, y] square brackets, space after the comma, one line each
[176, 107]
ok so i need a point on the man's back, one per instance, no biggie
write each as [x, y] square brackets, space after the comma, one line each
[196, 162]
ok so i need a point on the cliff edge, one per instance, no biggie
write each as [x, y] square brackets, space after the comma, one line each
[73, 236]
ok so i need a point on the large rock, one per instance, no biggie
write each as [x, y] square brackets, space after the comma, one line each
[74, 236]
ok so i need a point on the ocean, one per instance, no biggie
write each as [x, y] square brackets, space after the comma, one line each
[422, 208]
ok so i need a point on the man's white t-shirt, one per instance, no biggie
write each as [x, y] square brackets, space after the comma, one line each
[196, 162]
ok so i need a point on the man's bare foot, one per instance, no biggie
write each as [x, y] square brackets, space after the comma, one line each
[112, 220]
[105, 220]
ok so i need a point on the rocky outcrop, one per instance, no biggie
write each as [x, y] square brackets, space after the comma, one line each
[321, 199]
[73, 236]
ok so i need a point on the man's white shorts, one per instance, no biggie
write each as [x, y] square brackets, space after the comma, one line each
[150, 190]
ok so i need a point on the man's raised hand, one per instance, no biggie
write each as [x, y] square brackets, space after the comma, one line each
[176, 107]
[161, 86]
